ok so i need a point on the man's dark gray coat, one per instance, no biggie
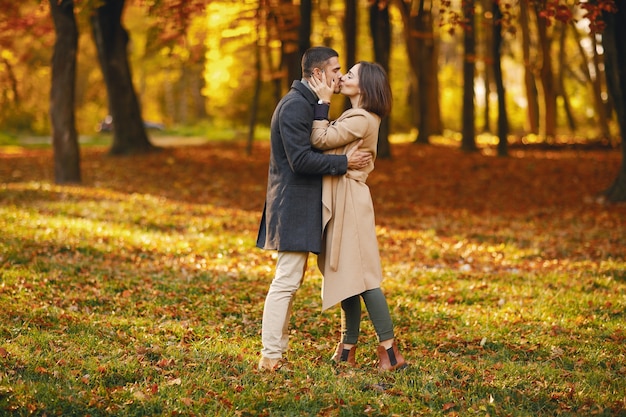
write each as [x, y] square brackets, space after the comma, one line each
[292, 216]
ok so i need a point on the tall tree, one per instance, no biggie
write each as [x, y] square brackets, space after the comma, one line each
[426, 77]
[546, 74]
[63, 86]
[468, 138]
[174, 28]
[487, 23]
[350, 31]
[260, 19]
[304, 36]
[503, 124]
[412, 52]
[287, 18]
[594, 74]
[422, 54]
[614, 42]
[560, 86]
[111, 38]
[26, 41]
[532, 117]
[380, 28]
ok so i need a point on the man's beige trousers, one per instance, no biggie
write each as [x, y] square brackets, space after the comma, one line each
[290, 268]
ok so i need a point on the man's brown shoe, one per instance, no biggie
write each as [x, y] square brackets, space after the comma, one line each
[271, 365]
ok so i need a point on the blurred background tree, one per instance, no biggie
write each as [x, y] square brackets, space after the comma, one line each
[200, 68]
[199, 63]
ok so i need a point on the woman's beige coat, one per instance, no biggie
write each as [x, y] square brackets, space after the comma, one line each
[350, 261]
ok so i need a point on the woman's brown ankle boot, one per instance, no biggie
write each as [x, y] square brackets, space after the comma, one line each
[345, 355]
[390, 359]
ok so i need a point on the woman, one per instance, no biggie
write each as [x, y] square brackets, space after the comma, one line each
[350, 261]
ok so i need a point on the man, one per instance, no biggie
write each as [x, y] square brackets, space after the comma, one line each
[292, 216]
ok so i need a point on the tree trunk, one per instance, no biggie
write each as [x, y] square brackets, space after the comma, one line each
[601, 108]
[532, 117]
[63, 86]
[468, 139]
[503, 124]
[489, 58]
[349, 30]
[199, 103]
[615, 46]
[561, 78]
[12, 82]
[412, 49]
[181, 86]
[288, 15]
[380, 28]
[129, 134]
[425, 75]
[436, 124]
[169, 94]
[422, 53]
[546, 74]
[278, 76]
[254, 107]
[304, 36]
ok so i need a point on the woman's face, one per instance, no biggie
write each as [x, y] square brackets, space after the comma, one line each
[350, 82]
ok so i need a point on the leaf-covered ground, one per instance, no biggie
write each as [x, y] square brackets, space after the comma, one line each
[140, 292]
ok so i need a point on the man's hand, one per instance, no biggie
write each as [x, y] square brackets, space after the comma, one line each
[358, 159]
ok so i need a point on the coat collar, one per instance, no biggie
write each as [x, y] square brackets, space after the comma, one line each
[305, 91]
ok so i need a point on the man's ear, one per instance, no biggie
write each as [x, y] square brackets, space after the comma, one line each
[317, 73]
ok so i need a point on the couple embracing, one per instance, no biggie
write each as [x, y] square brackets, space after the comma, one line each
[318, 202]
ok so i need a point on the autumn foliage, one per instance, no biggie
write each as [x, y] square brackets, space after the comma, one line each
[533, 193]
[140, 292]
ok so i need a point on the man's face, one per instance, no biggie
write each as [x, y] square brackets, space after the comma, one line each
[333, 72]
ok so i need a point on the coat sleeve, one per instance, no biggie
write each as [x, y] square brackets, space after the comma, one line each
[294, 128]
[341, 132]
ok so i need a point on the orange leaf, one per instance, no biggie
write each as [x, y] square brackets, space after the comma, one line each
[448, 406]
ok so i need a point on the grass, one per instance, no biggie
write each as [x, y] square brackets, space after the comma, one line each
[140, 293]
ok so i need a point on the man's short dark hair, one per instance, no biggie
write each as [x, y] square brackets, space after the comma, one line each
[316, 57]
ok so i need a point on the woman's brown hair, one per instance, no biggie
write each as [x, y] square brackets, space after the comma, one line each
[375, 89]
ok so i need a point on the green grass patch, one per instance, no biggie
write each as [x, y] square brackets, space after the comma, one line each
[118, 302]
